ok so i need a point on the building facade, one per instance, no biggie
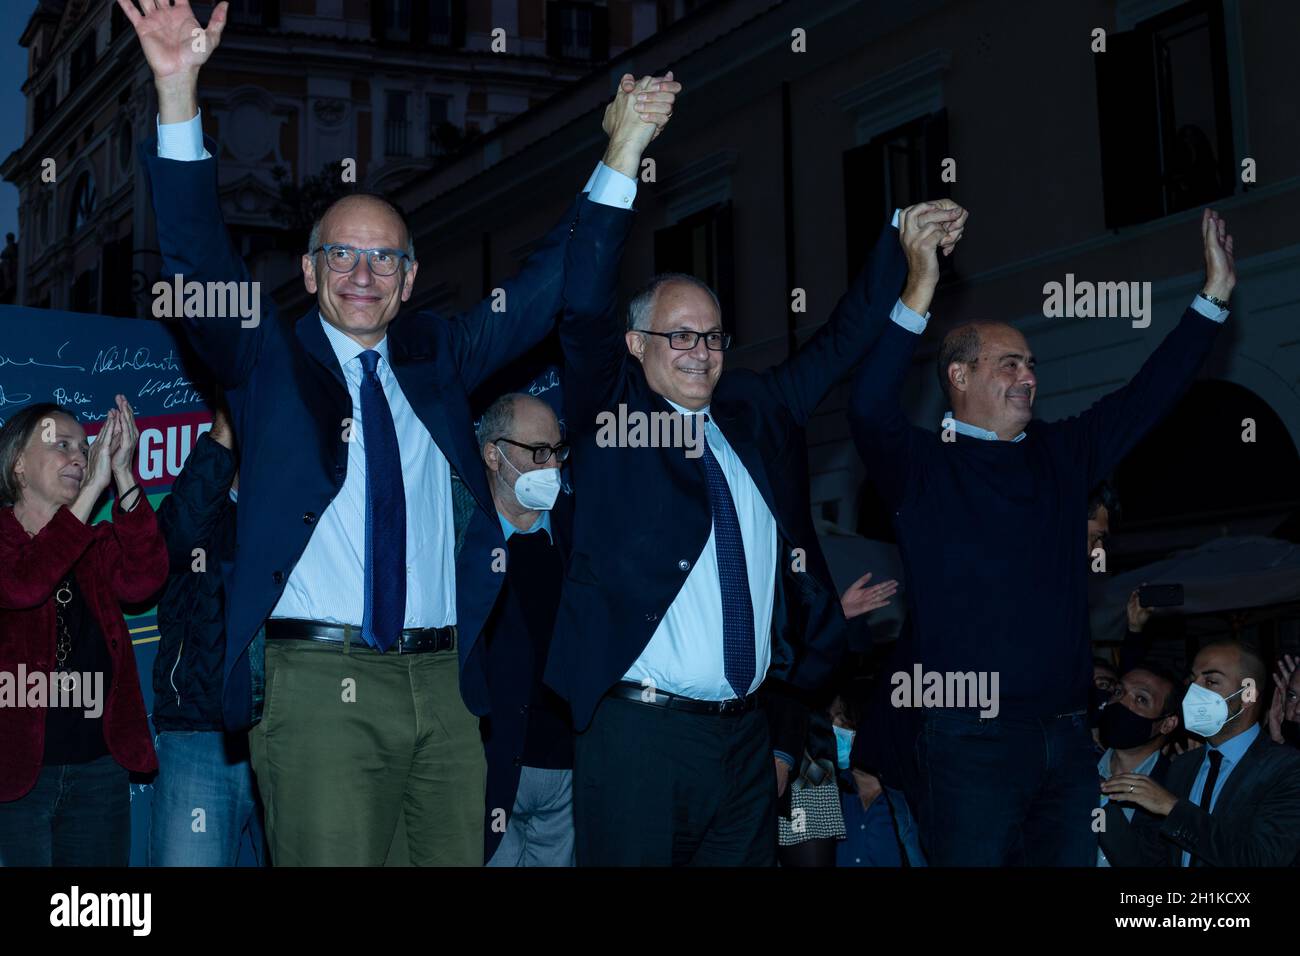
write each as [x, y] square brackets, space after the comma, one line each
[298, 89]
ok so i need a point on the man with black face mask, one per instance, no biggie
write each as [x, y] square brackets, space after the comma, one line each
[1233, 802]
[1134, 727]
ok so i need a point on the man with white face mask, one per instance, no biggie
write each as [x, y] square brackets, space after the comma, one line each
[1235, 801]
[528, 736]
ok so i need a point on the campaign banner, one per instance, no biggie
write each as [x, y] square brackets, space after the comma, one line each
[82, 362]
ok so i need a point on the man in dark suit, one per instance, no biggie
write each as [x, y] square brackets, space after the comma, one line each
[1233, 802]
[1134, 726]
[351, 427]
[527, 735]
[696, 570]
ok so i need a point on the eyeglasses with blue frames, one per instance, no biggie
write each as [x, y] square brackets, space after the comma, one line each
[541, 452]
[344, 258]
[684, 340]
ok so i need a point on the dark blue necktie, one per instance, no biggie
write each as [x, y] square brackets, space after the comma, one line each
[737, 607]
[385, 571]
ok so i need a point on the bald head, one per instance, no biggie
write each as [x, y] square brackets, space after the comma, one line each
[368, 204]
[357, 300]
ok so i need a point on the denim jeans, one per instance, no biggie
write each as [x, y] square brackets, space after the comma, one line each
[540, 831]
[77, 814]
[1005, 790]
[203, 800]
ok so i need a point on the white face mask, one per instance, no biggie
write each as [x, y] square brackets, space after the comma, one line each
[1205, 712]
[535, 490]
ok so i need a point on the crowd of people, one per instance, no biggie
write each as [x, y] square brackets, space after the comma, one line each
[406, 623]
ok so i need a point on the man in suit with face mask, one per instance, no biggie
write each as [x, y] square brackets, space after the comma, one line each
[528, 737]
[1233, 802]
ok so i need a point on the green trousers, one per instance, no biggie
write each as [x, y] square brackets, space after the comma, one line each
[367, 759]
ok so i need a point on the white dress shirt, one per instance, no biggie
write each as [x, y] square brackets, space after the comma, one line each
[684, 655]
[328, 582]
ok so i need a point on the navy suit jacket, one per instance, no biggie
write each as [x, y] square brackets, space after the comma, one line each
[1255, 821]
[512, 675]
[642, 516]
[289, 399]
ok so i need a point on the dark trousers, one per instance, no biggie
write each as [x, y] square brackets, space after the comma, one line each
[660, 787]
[78, 814]
[1007, 790]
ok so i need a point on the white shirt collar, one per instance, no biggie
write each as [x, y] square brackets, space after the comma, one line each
[686, 411]
[973, 431]
[347, 348]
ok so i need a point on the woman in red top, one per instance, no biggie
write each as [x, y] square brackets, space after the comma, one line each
[72, 719]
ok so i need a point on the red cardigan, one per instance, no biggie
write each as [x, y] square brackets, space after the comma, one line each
[124, 560]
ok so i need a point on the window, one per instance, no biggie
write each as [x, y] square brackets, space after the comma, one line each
[116, 266]
[578, 31]
[439, 27]
[85, 292]
[701, 245]
[1165, 124]
[395, 124]
[83, 203]
[46, 101]
[898, 168]
[124, 145]
[442, 135]
[83, 60]
[391, 20]
[254, 13]
[119, 24]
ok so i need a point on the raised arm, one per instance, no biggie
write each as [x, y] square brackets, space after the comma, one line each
[881, 431]
[512, 320]
[805, 378]
[1109, 430]
[591, 331]
[182, 175]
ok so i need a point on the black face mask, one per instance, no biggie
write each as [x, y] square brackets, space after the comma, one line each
[1122, 729]
[1291, 732]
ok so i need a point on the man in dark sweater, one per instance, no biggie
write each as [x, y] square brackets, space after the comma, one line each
[528, 736]
[990, 516]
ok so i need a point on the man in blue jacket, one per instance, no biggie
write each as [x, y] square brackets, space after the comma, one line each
[351, 427]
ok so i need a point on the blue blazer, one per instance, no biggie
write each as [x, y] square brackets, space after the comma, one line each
[288, 399]
[642, 514]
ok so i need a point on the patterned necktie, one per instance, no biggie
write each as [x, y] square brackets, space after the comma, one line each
[737, 607]
[385, 569]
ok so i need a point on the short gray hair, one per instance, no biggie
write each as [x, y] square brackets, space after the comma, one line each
[962, 345]
[641, 306]
[498, 418]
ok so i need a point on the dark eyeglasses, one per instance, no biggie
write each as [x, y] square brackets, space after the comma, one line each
[541, 453]
[684, 341]
[343, 258]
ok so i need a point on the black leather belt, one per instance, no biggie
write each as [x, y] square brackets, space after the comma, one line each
[626, 690]
[413, 640]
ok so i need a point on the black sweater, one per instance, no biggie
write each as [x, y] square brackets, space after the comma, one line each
[993, 533]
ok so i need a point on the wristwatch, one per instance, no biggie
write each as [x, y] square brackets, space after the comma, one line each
[1214, 300]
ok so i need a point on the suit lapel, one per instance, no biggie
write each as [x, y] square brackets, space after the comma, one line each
[312, 336]
[1240, 772]
[443, 411]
